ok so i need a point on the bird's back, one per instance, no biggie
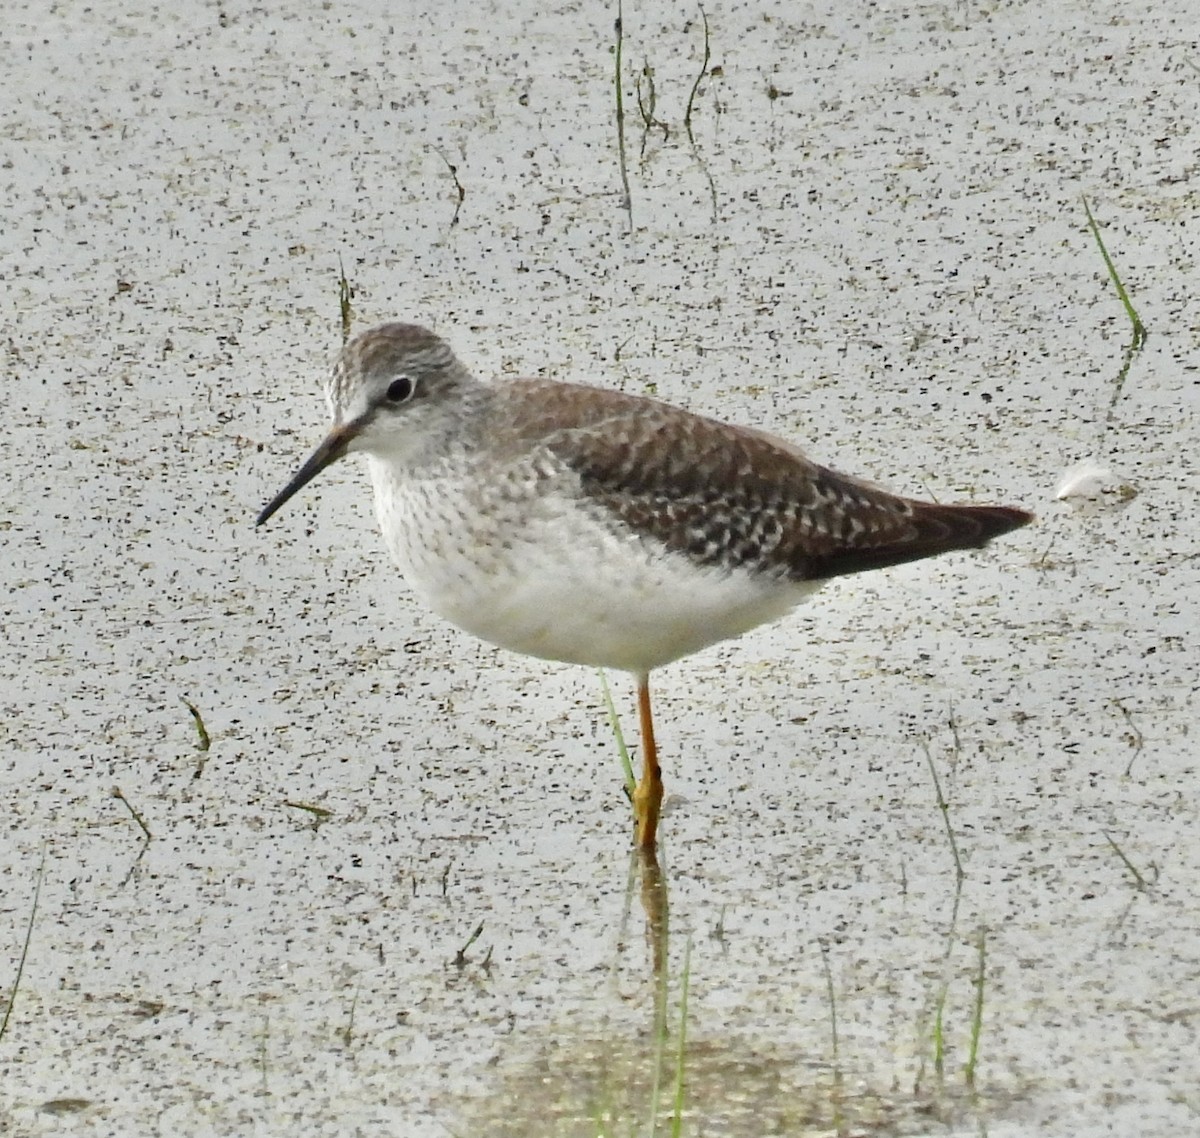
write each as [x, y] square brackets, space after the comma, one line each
[731, 497]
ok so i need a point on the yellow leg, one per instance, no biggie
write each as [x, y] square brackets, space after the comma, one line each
[648, 794]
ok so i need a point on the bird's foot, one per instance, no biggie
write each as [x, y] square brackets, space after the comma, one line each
[647, 804]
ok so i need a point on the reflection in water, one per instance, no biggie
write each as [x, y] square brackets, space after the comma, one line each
[648, 1059]
[656, 907]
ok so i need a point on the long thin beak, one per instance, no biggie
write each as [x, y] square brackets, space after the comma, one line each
[334, 447]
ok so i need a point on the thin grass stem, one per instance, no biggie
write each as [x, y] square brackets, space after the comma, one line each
[1139, 879]
[944, 807]
[1138, 739]
[1139, 329]
[344, 295]
[977, 1014]
[615, 723]
[458, 187]
[660, 1049]
[626, 197]
[677, 1120]
[835, 1046]
[460, 957]
[12, 995]
[197, 719]
[116, 793]
[687, 114]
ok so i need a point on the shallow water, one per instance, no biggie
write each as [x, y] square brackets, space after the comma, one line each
[877, 248]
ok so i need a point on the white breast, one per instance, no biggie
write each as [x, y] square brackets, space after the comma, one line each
[548, 575]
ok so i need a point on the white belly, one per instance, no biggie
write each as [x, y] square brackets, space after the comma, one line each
[554, 581]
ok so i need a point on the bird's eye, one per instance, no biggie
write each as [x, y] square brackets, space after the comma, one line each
[400, 390]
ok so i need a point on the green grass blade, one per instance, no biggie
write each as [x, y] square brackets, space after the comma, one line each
[618, 734]
[1139, 329]
[977, 1017]
[677, 1120]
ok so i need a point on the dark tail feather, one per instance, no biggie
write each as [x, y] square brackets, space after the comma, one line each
[938, 529]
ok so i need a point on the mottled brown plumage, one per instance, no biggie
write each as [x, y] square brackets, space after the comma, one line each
[732, 497]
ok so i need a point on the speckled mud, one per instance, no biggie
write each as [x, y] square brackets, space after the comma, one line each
[876, 246]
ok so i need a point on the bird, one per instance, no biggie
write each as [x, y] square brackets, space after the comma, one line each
[594, 527]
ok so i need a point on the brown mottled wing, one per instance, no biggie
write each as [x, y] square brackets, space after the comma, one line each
[731, 497]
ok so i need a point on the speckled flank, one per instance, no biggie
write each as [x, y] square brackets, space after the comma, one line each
[560, 577]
